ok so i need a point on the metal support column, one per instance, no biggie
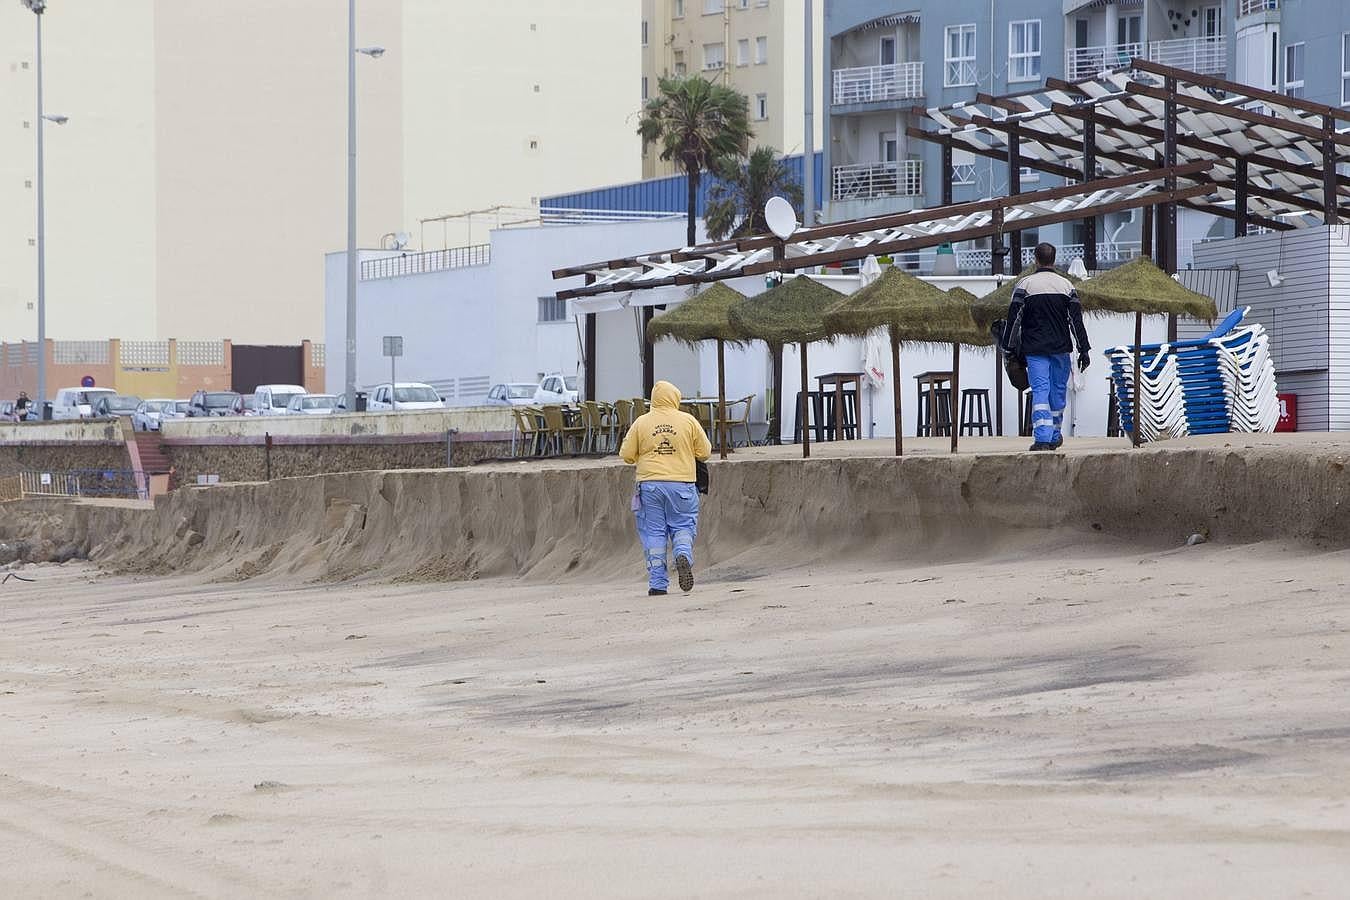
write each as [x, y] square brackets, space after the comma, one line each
[1090, 173]
[588, 350]
[1169, 210]
[946, 174]
[996, 243]
[1015, 188]
[1240, 198]
[1330, 215]
[648, 352]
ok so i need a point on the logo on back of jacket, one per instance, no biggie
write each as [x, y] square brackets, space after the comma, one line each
[662, 435]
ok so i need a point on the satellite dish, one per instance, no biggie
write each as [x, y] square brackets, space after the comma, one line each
[781, 217]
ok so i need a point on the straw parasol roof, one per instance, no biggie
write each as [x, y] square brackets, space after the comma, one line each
[700, 318]
[981, 337]
[918, 311]
[1140, 286]
[791, 313]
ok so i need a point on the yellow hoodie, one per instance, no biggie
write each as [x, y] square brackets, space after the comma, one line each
[665, 442]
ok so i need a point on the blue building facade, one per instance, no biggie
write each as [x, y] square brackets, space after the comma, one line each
[669, 194]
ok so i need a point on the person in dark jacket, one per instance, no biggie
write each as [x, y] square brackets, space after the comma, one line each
[1046, 310]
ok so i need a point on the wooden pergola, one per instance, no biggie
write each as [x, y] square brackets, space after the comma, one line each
[1146, 136]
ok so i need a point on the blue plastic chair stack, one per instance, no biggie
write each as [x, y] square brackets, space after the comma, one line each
[1223, 382]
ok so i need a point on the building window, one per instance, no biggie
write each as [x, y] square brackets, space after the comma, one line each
[644, 32]
[959, 70]
[743, 4]
[1345, 69]
[713, 6]
[743, 52]
[762, 2]
[761, 106]
[714, 56]
[761, 50]
[886, 51]
[679, 10]
[1028, 174]
[963, 166]
[1129, 29]
[1294, 69]
[1211, 21]
[551, 309]
[644, 88]
[679, 63]
[1024, 50]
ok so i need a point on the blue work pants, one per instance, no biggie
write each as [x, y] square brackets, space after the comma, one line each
[1049, 378]
[667, 512]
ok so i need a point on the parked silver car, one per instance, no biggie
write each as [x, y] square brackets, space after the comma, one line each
[151, 413]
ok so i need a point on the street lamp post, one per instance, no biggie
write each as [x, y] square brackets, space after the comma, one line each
[374, 53]
[38, 7]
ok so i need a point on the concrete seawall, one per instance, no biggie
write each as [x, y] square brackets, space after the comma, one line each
[568, 522]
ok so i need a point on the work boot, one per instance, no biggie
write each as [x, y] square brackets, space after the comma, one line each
[1058, 442]
[686, 572]
[655, 592]
[1041, 445]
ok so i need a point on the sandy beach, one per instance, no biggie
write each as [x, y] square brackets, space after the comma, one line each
[1066, 717]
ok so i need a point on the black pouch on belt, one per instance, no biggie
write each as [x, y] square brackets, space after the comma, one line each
[701, 476]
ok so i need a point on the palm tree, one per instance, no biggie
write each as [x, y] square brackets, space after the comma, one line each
[742, 190]
[698, 125]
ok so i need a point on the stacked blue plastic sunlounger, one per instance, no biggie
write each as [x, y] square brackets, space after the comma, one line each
[1223, 382]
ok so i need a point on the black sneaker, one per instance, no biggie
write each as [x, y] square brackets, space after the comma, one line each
[686, 572]
[655, 592]
[1041, 445]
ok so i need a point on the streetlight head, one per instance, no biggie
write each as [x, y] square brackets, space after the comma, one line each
[37, 6]
[372, 52]
[56, 119]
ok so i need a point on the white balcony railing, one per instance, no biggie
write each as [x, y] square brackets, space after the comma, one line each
[863, 181]
[976, 261]
[1084, 62]
[869, 84]
[1251, 7]
[1202, 55]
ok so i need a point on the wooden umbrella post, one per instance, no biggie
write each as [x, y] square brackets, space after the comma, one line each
[720, 428]
[956, 391]
[1138, 339]
[806, 408]
[776, 430]
[895, 388]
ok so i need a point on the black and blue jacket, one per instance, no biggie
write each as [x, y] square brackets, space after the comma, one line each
[1046, 310]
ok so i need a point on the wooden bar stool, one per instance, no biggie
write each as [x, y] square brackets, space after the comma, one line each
[848, 425]
[976, 416]
[816, 414]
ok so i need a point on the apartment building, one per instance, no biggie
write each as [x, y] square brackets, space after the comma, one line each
[755, 46]
[202, 174]
[886, 58]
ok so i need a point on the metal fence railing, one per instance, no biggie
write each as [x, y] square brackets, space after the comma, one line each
[429, 261]
[113, 483]
[869, 84]
[890, 179]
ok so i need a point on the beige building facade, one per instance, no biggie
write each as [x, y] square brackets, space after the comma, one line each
[756, 46]
[202, 175]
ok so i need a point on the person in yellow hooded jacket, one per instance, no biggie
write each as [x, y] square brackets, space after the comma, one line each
[664, 444]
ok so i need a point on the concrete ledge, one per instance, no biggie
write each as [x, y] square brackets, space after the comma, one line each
[326, 440]
[100, 432]
[251, 429]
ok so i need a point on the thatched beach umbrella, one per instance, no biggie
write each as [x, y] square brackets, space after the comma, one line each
[704, 318]
[790, 313]
[912, 311]
[1142, 288]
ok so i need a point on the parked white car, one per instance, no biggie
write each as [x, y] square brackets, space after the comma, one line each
[404, 396]
[78, 403]
[312, 405]
[511, 394]
[151, 413]
[272, 399]
[557, 389]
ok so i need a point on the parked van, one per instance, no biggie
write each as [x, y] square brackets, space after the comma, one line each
[271, 399]
[78, 403]
[406, 395]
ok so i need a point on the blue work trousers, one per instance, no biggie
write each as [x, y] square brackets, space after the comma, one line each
[667, 512]
[1049, 377]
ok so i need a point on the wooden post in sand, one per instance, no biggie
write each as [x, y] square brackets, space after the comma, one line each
[806, 408]
[895, 388]
[720, 427]
[1138, 339]
[956, 393]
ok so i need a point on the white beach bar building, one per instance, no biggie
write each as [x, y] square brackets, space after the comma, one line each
[471, 317]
